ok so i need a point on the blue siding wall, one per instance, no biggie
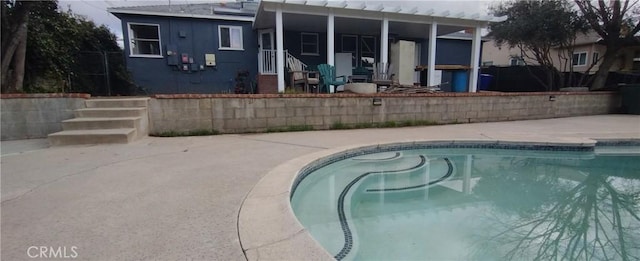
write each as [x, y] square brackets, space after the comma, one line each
[200, 36]
[448, 51]
[292, 43]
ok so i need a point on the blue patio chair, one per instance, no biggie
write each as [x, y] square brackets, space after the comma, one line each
[328, 77]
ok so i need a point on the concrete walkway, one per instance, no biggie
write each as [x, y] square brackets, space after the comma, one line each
[178, 198]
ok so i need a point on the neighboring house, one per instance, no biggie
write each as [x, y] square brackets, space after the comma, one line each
[199, 48]
[586, 52]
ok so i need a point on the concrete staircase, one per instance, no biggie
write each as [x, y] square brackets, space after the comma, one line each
[110, 120]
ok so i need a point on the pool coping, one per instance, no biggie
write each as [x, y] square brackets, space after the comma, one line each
[268, 228]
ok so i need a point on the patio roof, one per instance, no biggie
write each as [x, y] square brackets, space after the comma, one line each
[312, 13]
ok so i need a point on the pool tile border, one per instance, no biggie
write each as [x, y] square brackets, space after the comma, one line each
[274, 243]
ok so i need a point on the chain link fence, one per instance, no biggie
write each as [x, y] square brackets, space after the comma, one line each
[101, 74]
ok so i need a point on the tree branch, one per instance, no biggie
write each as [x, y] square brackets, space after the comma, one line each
[591, 16]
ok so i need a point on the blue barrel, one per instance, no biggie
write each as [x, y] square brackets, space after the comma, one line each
[459, 81]
[485, 81]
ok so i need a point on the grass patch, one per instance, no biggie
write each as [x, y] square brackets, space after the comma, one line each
[416, 123]
[201, 132]
[365, 125]
[340, 126]
[291, 128]
[386, 124]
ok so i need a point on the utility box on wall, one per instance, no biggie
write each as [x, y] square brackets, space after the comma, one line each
[210, 59]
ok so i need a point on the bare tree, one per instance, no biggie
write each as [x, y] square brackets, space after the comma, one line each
[614, 22]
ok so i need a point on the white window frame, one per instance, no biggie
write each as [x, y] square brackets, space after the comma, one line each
[317, 53]
[519, 61]
[586, 59]
[230, 27]
[130, 32]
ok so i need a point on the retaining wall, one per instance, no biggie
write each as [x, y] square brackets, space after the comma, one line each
[231, 113]
[29, 116]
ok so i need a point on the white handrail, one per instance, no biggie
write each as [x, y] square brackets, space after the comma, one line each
[293, 58]
[267, 61]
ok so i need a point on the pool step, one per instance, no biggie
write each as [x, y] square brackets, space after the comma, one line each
[407, 180]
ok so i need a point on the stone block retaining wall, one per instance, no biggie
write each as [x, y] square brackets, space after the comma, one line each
[29, 116]
[229, 113]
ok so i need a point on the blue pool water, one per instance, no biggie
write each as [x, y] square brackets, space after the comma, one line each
[475, 204]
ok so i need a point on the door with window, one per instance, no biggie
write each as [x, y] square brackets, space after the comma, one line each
[267, 52]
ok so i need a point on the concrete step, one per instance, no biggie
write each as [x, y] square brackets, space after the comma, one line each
[111, 112]
[116, 102]
[73, 137]
[100, 123]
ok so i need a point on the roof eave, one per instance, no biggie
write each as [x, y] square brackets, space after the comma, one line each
[152, 13]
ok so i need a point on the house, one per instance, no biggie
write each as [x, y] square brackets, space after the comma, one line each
[586, 52]
[199, 48]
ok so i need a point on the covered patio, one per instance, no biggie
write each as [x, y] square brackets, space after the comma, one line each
[328, 28]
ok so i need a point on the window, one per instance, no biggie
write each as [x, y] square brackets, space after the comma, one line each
[367, 51]
[596, 58]
[516, 61]
[230, 37]
[309, 44]
[350, 45]
[487, 63]
[579, 59]
[144, 40]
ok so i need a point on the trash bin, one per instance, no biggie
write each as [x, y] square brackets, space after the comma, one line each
[630, 95]
[485, 81]
[459, 81]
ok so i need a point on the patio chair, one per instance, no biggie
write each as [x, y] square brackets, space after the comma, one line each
[360, 74]
[382, 75]
[298, 74]
[328, 77]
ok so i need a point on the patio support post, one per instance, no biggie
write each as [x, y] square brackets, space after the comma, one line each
[475, 59]
[280, 49]
[331, 43]
[431, 63]
[384, 41]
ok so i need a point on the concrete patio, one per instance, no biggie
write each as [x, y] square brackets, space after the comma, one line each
[179, 198]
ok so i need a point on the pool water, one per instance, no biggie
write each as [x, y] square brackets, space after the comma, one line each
[475, 204]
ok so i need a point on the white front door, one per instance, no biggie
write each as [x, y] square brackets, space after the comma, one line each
[267, 52]
[266, 40]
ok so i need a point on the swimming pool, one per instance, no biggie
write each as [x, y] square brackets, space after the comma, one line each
[474, 202]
